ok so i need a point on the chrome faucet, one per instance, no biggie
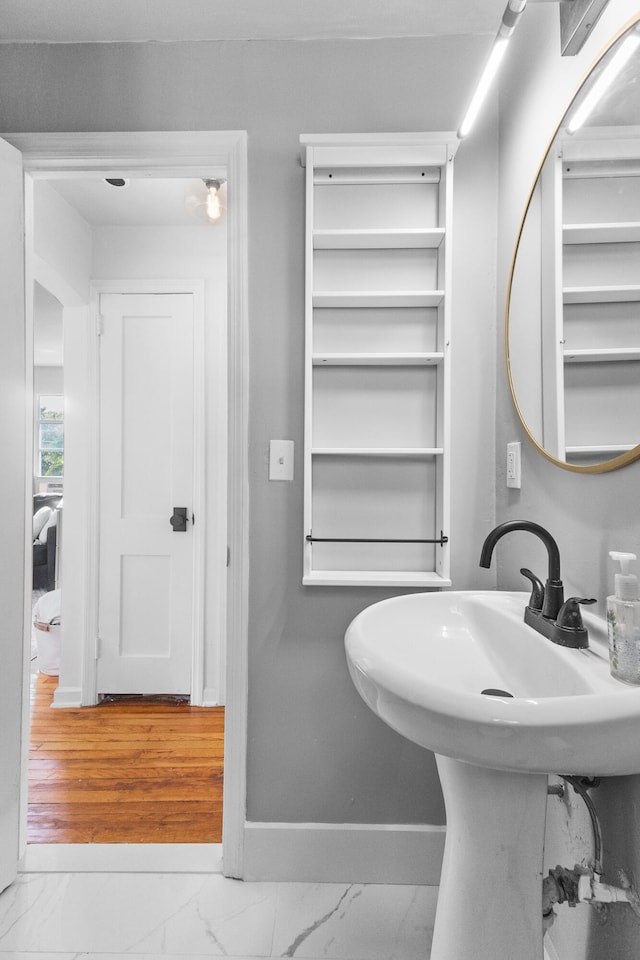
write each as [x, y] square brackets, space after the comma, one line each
[547, 612]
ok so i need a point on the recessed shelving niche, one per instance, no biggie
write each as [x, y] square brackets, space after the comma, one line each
[377, 359]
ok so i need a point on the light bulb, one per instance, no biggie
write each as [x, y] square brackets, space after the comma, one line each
[214, 209]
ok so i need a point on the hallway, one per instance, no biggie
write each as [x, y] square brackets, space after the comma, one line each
[128, 771]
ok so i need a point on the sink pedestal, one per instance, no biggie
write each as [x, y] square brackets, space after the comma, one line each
[490, 899]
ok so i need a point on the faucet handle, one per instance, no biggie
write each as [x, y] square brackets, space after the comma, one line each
[569, 614]
[537, 589]
[569, 630]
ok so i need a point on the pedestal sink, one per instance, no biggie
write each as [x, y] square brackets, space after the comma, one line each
[502, 708]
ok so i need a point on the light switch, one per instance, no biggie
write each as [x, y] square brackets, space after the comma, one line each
[281, 460]
[514, 470]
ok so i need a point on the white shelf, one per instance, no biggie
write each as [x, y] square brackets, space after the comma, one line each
[381, 239]
[612, 449]
[606, 355]
[378, 230]
[376, 359]
[374, 578]
[377, 451]
[619, 232]
[378, 298]
[604, 294]
[593, 214]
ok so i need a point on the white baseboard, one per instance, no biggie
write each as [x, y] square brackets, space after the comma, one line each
[294, 852]
[67, 697]
[211, 697]
[343, 853]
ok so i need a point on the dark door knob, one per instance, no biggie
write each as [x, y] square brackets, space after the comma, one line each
[179, 519]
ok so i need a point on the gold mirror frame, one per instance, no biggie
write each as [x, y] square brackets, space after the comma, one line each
[630, 455]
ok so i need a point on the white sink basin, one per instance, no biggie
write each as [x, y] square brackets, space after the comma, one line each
[421, 661]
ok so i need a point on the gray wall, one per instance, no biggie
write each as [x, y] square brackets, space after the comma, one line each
[315, 752]
[588, 515]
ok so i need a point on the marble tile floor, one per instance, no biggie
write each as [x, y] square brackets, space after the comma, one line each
[141, 916]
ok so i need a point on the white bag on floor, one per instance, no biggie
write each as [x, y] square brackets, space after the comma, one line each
[46, 633]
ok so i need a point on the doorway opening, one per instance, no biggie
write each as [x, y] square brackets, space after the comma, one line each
[157, 440]
[154, 156]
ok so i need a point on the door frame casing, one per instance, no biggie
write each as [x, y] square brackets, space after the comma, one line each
[187, 154]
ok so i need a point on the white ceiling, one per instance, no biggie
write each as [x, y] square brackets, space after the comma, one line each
[79, 21]
[142, 202]
[103, 21]
[173, 202]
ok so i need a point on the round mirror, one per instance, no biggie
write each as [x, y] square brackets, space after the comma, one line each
[573, 310]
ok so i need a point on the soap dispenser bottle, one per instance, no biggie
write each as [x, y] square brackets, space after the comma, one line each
[623, 622]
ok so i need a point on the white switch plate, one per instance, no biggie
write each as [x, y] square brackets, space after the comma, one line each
[281, 460]
[514, 469]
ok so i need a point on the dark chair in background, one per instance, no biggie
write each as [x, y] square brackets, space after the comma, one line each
[45, 540]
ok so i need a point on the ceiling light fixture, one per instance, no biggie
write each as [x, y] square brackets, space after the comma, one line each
[604, 81]
[509, 19]
[213, 204]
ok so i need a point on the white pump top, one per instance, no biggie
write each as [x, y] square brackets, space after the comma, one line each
[626, 584]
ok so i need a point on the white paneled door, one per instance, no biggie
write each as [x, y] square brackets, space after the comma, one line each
[146, 556]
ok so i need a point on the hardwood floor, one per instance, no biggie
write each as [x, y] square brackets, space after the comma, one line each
[125, 772]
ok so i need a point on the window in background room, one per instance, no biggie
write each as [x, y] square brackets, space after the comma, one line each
[50, 436]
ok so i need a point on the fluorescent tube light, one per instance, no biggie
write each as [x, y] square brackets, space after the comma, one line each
[509, 19]
[604, 81]
[495, 59]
